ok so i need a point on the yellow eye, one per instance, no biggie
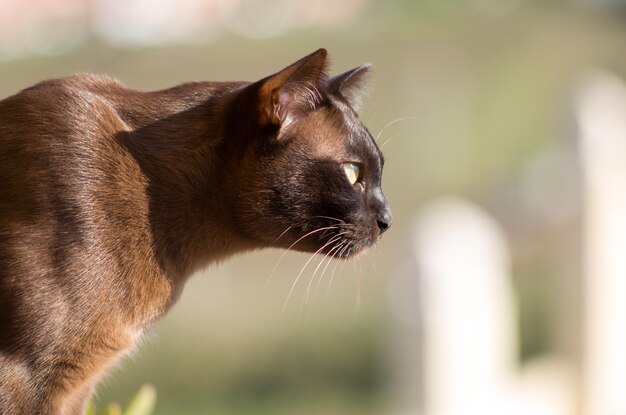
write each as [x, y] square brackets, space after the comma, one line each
[352, 172]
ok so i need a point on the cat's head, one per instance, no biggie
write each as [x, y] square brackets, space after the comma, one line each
[309, 172]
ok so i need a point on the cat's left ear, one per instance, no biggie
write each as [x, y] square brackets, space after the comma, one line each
[351, 85]
[291, 93]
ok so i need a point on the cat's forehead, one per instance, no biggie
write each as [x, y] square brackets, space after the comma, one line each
[353, 124]
[334, 131]
[357, 138]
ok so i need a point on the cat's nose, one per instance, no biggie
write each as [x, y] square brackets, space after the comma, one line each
[384, 219]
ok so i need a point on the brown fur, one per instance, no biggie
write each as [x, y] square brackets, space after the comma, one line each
[110, 198]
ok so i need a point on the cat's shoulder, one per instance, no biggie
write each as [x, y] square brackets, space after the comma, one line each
[79, 82]
[63, 94]
[64, 101]
[80, 89]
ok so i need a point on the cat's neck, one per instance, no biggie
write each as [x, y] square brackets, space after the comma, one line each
[180, 146]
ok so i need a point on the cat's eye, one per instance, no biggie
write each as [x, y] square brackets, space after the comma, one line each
[353, 171]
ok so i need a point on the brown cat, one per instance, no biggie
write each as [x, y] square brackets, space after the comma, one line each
[110, 198]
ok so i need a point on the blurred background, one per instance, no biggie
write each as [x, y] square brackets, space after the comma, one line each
[501, 285]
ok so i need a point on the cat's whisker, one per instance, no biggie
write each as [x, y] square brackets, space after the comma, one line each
[359, 276]
[390, 123]
[323, 234]
[291, 246]
[308, 290]
[370, 261]
[330, 259]
[329, 256]
[301, 271]
[276, 240]
[378, 253]
[382, 146]
[283, 233]
[305, 299]
[332, 277]
[332, 218]
[342, 247]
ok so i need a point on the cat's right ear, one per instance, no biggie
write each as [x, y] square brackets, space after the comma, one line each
[351, 85]
[290, 93]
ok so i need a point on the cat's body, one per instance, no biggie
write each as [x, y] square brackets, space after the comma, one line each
[110, 198]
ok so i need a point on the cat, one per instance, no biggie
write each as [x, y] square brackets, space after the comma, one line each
[110, 198]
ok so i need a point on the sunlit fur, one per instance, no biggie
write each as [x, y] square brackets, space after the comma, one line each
[110, 198]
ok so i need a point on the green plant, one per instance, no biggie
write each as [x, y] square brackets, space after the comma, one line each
[142, 404]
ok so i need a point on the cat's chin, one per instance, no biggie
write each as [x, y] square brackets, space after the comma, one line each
[348, 248]
[340, 250]
[351, 253]
[342, 240]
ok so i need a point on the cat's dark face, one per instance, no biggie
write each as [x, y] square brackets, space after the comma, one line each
[314, 182]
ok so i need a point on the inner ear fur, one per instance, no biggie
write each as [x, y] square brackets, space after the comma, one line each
[290, 93]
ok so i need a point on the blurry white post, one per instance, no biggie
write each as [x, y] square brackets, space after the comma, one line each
[601, 112]
[468, 309]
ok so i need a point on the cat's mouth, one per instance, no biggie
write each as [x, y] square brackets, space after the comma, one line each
[341, 241]
[349, 248]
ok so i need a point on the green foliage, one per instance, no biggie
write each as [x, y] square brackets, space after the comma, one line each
[142, 404]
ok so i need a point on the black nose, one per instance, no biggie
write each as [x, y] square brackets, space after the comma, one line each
[384, 220]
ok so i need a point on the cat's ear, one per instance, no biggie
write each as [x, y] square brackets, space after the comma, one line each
[351, 85]
[290, 93]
